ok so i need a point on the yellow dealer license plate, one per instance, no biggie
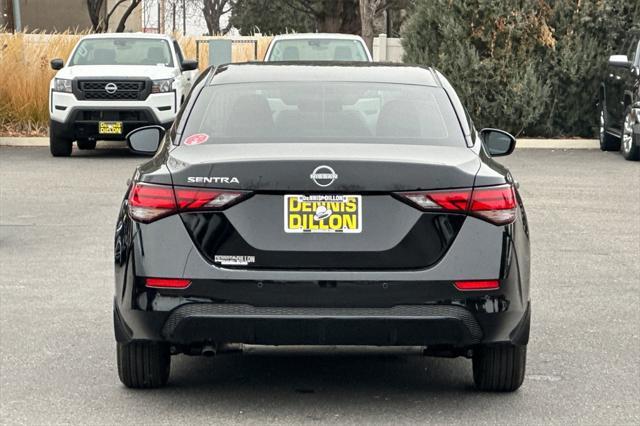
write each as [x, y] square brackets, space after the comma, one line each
[110, 127]
[322, 213]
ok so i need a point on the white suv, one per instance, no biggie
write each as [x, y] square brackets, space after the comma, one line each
[113, 84]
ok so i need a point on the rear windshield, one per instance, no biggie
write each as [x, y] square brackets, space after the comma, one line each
[122, 51]
[318, 50]
[325, 112]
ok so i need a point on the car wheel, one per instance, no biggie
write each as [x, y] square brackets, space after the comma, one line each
[58, 146]
[143, 365]
[608, 142]
[499, 368]
[629, 149]
[86, 144]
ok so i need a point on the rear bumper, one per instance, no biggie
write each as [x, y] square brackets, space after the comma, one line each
[458, 320]
[401, 325]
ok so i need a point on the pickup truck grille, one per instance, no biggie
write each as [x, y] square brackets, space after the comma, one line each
[113, 90]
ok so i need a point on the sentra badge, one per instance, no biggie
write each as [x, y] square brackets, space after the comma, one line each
[212, 179]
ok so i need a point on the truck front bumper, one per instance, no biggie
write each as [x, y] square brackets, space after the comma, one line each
[73, 119]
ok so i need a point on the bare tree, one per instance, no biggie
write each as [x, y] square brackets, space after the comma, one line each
[100, 17]
[369, 11]
[125, 15]
[212, 11]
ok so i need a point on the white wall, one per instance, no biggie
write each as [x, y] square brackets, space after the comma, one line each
[386, 49]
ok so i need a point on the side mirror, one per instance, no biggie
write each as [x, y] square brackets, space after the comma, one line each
[57, 64]
[498, 142]
[619, 61]
[145, 140]
[189, 65]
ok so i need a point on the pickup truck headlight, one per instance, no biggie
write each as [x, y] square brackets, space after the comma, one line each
[162, 86]
[62, 85]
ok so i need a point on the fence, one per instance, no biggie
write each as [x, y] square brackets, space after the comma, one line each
[387, 49]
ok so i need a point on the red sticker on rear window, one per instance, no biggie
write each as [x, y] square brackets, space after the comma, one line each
[196, 139]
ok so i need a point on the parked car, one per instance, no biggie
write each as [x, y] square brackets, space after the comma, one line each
[619, 104]
[318, 47]
[113, 84]
[318, 204]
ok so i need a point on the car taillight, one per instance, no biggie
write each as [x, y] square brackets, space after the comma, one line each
[196, 198]
[496, 204]
[477, 285]
[149, 202]
[167, 283]
[440, 200]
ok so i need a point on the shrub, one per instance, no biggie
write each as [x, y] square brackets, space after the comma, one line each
[531, 67]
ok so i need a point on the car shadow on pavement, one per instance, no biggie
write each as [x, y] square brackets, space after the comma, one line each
[113, 151]
[283, 376]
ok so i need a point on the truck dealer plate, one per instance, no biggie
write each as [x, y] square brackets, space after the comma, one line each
[110, 127]
[322, 213]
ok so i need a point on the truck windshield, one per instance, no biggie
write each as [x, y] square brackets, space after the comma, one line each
[340, 112]
[122, 51]
[318, 50]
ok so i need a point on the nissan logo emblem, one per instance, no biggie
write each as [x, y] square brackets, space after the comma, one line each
[323, 176]
[111, 88]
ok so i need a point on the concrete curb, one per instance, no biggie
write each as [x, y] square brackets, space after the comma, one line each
[522, 143]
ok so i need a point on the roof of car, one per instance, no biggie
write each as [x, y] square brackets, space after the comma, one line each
[250, 72]
[317, 36]
[129, 35]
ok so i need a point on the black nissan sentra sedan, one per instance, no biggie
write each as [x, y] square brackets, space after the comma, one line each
[322, 204]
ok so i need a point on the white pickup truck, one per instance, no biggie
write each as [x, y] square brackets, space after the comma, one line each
[318, 47]
[113, 84]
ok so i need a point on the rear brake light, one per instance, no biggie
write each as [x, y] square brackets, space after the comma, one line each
[192, 198]
[167, 283]
[477, 285]
[495, 204]
[151, 202]
[148, 202]
[440, 200]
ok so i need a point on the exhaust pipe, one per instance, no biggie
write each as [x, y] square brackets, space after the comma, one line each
[208, 350]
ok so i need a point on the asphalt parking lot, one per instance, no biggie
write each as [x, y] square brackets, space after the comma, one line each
[58, 352]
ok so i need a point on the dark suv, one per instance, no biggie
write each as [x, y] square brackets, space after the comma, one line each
[619, 103]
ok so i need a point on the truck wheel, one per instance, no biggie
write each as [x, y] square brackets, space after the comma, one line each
[499, 368]
[86, 144]
[608, 142]
[143, 365]
[629, 147]
[59, 147]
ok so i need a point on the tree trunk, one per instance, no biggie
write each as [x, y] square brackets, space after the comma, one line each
[125, 15]
[212, 10]
[96, 16]
[367, 17]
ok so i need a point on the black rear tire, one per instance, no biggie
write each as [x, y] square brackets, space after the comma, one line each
[144, 365]
[59, 147]
[86, 144]
[499, 368]
[608, 142]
